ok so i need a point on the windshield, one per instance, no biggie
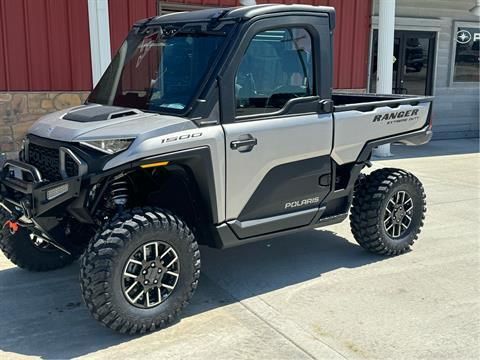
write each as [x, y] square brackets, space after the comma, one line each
[159, 69]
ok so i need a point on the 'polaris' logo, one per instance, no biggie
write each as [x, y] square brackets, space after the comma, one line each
[297, 203]
[396, 115]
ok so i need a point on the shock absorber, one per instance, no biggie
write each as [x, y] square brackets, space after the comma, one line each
[119, 193]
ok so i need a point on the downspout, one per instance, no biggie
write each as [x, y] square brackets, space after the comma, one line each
[386, 30]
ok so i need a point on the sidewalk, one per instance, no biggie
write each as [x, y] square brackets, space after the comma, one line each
[315, 294]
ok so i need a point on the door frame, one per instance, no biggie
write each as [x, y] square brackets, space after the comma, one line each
[307, 111]
[409, 24]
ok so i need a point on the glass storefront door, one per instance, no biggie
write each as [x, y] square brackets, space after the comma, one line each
[414, 53]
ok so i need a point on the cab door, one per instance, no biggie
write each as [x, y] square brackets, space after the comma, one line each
[279, 138]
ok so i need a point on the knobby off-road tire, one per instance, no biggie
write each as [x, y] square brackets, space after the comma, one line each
[384, 202]
[22, 251]
[112, 278]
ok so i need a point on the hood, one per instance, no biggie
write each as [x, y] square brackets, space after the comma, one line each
[93, 121]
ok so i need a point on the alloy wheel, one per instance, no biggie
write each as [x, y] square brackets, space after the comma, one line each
[150, 274]
[398, 214]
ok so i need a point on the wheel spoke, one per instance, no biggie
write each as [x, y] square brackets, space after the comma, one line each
[172, 262]
[148, 298]
[165, 253]
[173, 273]
[168, 286]
[130, 275]
[131, 287]
[390, 227]
[138, 296]
[387, 219]
[159, 295]
[145, 247]
[397, 227]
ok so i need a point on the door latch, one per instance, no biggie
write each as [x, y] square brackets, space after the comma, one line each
[244, 145]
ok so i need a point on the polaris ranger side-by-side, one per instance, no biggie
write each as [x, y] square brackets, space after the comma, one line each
[216, 127]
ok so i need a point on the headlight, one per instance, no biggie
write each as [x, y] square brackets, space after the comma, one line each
[109, 146]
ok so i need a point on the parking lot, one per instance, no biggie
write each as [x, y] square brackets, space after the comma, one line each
[314, 294]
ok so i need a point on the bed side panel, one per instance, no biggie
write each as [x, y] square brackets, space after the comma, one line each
[353, 129]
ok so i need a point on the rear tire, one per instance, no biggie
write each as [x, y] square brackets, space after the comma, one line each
[388, 211]
[22, 251]
[140, 271]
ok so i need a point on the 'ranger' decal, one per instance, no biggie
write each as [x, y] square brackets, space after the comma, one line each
[398, 115]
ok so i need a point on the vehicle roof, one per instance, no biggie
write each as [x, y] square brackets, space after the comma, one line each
[242, 12]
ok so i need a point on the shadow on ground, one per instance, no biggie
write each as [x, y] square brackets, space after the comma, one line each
[43, 314]
[433, 148]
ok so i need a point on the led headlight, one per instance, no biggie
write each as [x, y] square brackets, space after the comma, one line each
[112, 146]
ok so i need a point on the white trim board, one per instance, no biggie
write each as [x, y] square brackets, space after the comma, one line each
[413, 24]
[99, 26]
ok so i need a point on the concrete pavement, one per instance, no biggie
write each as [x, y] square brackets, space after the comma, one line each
[315, 294]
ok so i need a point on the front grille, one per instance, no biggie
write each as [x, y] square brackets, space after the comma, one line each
[46, 160]
[71, 167]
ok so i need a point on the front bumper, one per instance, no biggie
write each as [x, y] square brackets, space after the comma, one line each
[24, 192]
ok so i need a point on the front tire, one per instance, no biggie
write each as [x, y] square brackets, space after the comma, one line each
[388, 211]
[23, 251]
[140, 271]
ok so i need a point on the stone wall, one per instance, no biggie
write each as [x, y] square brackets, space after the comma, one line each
[18, 111]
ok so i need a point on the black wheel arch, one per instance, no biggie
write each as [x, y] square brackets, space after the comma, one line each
[185, 186]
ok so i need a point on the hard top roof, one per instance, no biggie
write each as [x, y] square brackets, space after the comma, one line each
[243, 12]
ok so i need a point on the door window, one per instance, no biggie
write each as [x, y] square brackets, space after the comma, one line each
[276, 67]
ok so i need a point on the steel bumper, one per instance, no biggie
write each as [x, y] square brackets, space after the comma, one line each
[23, 191]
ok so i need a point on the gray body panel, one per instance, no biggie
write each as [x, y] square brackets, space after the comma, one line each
[53, 126]
[353, 129]
[280, 141]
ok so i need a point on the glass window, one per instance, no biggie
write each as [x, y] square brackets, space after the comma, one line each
[159, 69]
[466, 66]
[276, 67]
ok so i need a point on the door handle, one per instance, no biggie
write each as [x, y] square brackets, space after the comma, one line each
[248, 143]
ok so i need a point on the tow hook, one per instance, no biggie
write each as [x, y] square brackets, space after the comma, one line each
[12, 226]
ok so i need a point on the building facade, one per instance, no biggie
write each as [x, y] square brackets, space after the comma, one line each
[433, 57]
[53, 51]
